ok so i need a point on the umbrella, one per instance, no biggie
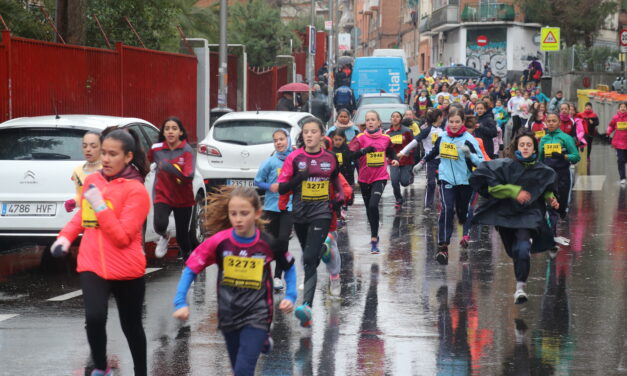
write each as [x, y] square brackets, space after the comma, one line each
[343, 60]
[294, 86]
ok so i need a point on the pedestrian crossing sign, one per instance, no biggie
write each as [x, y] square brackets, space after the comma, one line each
[550, 39]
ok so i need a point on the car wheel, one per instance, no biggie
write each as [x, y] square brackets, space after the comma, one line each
[197, 233]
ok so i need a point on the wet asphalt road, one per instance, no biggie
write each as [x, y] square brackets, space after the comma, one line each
[400, 312]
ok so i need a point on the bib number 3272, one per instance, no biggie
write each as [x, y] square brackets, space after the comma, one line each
[315, 190]
[245, 272]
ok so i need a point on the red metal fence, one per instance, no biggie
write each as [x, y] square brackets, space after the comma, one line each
[263, 86]
[36, 77]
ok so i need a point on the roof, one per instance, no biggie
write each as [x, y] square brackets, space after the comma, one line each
[72, 121]
[264, 115]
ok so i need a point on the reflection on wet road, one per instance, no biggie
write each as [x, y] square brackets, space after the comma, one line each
[400, 312]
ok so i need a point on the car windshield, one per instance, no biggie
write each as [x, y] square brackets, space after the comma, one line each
[41, 144]
[384, 113]
[379, 100]
[246, 132]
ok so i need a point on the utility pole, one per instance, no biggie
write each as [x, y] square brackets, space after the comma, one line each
[331, 56]
[312, 41]
[223, 67]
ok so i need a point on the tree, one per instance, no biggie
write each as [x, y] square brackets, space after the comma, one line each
[579, 20]
[25, 20]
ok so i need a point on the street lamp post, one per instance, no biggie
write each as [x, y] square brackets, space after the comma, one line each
[222, 68]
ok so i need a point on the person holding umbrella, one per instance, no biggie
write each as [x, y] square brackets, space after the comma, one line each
[286, 102]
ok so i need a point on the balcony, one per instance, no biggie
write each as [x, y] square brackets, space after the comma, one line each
[444, 18]
[423, 25]
[488, 13]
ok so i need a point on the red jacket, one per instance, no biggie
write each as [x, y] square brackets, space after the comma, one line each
[113, 250]
[619, 124]
[174, 175]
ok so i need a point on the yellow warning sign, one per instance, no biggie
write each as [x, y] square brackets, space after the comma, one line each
[550, 39]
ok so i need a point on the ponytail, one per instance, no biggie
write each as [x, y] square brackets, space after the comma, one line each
[130, 143]
[217, 208]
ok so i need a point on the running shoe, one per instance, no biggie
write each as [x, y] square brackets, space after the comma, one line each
[278, 284]
[520, 296]
[553, 252]
[463, 255]
[326, 249]
[162, 247]
[343, 213]
[465, 241]
[335, 289]
[623, 182]
[374, 247]
[442, 255]
[427, 210]
[561, 240]
[303, 314]
[268, 345]
[99, 372]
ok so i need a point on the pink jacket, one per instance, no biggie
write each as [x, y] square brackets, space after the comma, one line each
[381, 143]
[618, 124]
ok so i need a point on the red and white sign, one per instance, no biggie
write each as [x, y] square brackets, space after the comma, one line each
[482, 41]
[623, 41]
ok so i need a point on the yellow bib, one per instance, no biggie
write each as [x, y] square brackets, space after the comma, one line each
[315, 190]
[552, 148]
[422, 107]
[448, 150]
[245, 272]
[375, 159]
[397, 139]
[621, 125]
[434, 137]
[88, 214]
[540, 134]
[278, 171]
[340, 158]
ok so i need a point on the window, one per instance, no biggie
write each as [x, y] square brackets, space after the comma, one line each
[41, 144]
[246, 132]
[142, 137]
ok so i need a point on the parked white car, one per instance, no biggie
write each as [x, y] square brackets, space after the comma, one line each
[238, 142]
[37, 157]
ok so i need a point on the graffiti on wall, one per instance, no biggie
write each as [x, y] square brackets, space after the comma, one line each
[487, 46]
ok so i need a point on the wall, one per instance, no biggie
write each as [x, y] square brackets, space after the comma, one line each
[453, 47]
[494, 53]
[568, 83]
[521, 47]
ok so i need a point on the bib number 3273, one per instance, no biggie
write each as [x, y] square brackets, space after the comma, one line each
[245, 272]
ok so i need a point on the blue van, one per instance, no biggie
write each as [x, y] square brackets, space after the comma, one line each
[373, 74]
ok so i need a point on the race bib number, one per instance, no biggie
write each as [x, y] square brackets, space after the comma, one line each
[315, 190]
[340, 158]
[88, 215]
[245, 272]
[448, 150]
[422, 107]
[278, 171]
[375, 159]
[434, 137]
[397, 139]
[552, 148]
[540, 134]
[499, 116]
[621, 125]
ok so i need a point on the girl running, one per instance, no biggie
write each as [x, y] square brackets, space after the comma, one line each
[486, 129]
[569, 126]
[428, 136]
[401, 174]
[280, 221]
[374, 148]
[110, 258]
[517, 189]
[459, 152]
[173, 191]
[243, 254]
[91, 152]
[343, 122]
[591, 120]
[311, 172]
[536, 123]
[619, 141]
[423, 103]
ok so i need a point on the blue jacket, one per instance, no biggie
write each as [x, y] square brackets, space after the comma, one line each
[267, 175]
[454, 168]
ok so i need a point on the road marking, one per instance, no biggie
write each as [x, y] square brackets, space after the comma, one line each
[74, 294]
[589, 183]
[8, 316]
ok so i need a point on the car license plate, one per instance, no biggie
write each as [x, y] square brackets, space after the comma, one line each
[241, 182]
[28, 209]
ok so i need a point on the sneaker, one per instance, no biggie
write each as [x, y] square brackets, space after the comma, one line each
[561, 240]
[374, 247]
[463, 255]
[268, 345]
[343, 214]
[520, 296]
[99, 372]
[398, 204]
[303, 314]
[278, 284]
[427, 210]
[326, 249]
[623, 182]
[465, 241]
[335, 288]
[442, 255]
[553, 252]
[162, 247]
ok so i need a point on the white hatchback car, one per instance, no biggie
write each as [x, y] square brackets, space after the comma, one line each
[238, 142]
[37, 157]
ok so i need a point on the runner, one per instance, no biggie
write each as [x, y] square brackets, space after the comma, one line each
[280, 221]
[110, 258]
[431, 131]
[591, 121]
[518, 189]
[346, 159]
[343, 122]
[373, 147]
[91, 152]
[619, 141]
[557, 150]
[243, 254]
[172, 190]
[458, 152]
[401, 174]
[309, 172]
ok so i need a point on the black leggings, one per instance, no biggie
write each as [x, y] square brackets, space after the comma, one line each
[517, 243]
[280, 227]
[371, 193]
[311, 236]
[182, 217]
[129, 296]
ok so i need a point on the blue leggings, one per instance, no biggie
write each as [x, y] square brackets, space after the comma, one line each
[244, 346]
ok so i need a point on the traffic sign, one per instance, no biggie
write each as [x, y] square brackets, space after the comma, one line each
[482, 41]
[312, 39]
[623, 41]
[550, 39]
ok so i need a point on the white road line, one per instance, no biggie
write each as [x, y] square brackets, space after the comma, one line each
[77, 293]
[8, 316]
[589, 183]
